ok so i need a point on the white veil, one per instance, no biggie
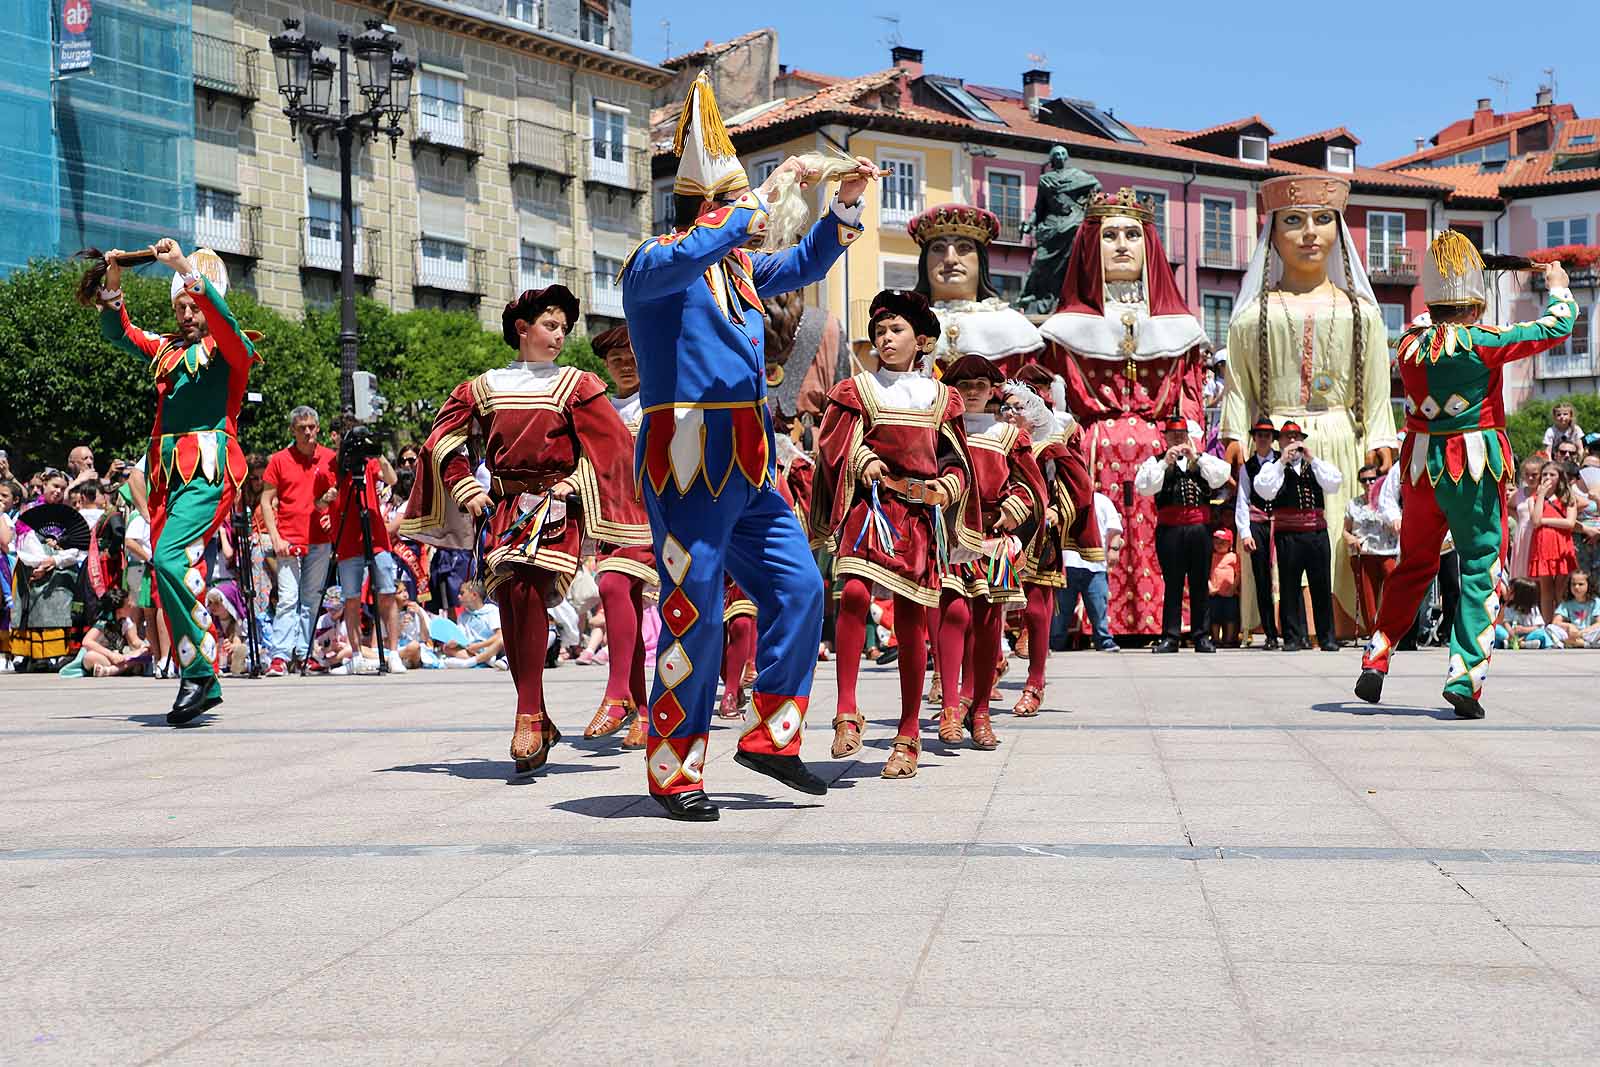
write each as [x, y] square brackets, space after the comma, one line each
[1256, 282]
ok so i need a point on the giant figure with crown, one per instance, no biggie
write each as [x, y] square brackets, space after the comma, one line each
[693, 300]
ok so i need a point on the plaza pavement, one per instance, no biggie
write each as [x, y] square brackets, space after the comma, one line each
[1198, 859]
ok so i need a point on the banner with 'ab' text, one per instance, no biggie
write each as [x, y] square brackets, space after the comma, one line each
[77, 48]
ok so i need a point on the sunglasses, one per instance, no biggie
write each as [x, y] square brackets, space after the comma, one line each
[1369, 481]
[409, 461]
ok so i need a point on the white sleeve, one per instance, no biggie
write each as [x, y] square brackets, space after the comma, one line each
[1107, 516]
[1328, 476]
[851, 215]
[1389, 495]
[1152, 472]
[30, 549]
[1549, 437]
[1241, 504]
[1269, 481]
[1214, 470]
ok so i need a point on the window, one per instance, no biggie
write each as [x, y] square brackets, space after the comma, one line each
[955, 94]
[763, 170]
[1216, 309]
[1573, 357]
[537, 266]
[901, 196]
[1156, 200]
[1498, 152]
[1566, 232]
[606, 291]
[899, 274]
[1009, 286]
[523, 11]
[323, 232]
[1394, 319]
[1581, 139]
[1252, 149]
[594, 25]
[1386, 239]
[442, 264]
[216, 220]
[439, 109]
[1005, 200]
[667, 211]
[1341, 159]
[608, 133]
[1217, 247]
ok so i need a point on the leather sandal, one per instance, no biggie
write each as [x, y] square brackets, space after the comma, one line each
[638, 731]
[530, 744]
[611, 716]
[1028, 706]
[950, 725]
[732, 706]
[1000, 670]
[935, 691]
[903, 758]
[982, 731]
[848, 727]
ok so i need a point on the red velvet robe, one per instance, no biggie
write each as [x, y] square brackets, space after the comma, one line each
[1071, 487]
[1006, 481]
[930, 445]
[636, 561]
[529, 440]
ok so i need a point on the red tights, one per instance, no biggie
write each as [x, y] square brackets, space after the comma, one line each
[968, 648]
[911, 633]
[525, 626]
[622, 599]
[739, 648]
[1041, 605]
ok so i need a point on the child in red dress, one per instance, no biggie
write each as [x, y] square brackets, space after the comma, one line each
[1553, 557]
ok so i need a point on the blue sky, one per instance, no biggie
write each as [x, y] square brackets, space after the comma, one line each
[1391, 71]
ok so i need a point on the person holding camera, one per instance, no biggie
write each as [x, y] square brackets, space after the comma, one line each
[355, 471]
[1298, 484]
[1182, 479]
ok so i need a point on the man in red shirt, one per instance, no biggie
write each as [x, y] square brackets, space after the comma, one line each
[293, 500]
[345, 518]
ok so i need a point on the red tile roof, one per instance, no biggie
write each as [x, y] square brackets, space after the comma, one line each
[1576, 128]
[1226, 127]
[715, 48]
[1536, 171]
[814, 77]
[1463, 128]
[1461, 144]
[1325, 135]
[1468, 181]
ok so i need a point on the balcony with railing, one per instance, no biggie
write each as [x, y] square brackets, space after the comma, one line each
[319, 247]
[1563, 364]
[448, 266]
[1392, 266]
[1175, 242]
[1223, 251]
[895, 211]
[611, 166]
[1011, 231]
[532, 272]
[540, 149]
[228, 227]
[451, 127]
[226, 68]
[605, 295]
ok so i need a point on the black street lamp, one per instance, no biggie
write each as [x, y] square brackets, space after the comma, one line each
[305, 80]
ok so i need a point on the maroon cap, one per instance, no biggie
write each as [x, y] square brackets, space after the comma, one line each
[909, 305]
[532, 301]
[1175, 424]
[971, 369]
[608, 341]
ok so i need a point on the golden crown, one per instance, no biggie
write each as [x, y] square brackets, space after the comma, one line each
[954, 220]
[1126, 202]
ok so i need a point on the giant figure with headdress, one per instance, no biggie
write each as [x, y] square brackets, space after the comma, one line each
[953, 274]
[1456, 462]
[693, 299]
[1132, 358]
[195, 463]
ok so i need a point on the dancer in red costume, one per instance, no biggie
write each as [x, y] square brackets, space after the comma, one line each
[552, 442]
[625, 575]
[1012, 498]
[738, 650]
[892, 467]
[1069, 518]
[1130, 352]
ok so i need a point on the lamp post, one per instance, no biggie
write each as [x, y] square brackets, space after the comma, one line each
[305, 80]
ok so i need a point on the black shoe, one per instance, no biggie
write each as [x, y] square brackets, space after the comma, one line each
[1330, 646]
[888, 655]
[1369, 686]
[1203, 643]
[789, 770]
[693, 806]
[1294, 646]
[1467, 707]
[1166, 644]
[1271, 645]
[196, 696]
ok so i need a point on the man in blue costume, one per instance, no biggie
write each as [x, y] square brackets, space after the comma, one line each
[693, 302]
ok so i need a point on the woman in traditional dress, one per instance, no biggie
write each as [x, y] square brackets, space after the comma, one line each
[1011, 497]
[1131, 355]
[1308, 344]
[889, 495]
[551, 440]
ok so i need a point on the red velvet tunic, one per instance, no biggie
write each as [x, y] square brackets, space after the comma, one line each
[1006, 481]
[1071, 492]
[636, 561]
[530, 438]
[930, 445]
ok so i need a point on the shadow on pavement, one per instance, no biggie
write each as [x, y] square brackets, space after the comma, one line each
[639, 806]
[488, 770]
[1354, 707]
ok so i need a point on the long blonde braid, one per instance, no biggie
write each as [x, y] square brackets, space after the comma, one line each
[1263, 363]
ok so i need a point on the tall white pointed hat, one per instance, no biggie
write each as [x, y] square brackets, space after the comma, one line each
[209, 264]
[708, 164]
[1452, 273]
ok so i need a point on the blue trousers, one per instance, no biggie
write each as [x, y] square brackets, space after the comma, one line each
[751, 534]
[1092, 587]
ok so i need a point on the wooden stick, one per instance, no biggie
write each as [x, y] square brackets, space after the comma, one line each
[131, 259]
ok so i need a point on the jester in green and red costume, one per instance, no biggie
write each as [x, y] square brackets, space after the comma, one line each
[195, 464]
[1456, 461]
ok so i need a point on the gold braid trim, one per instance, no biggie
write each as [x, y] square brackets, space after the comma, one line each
[1454, 254]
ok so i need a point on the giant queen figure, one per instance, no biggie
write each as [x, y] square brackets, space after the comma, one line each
[1308, 344]
[1131, 354]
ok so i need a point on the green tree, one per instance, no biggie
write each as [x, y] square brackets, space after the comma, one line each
[1526, 427]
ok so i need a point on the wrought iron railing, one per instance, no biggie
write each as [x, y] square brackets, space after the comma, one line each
[620, 167]
[532, 272]
[226, 67]
[448, 125]
[448, 266]
[224, 225]
[897, 210]
[1223, 251]
[1392, 266]
[319, 247]
[605, 295]
[536, 147]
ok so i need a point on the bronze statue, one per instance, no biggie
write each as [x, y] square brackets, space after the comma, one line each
[1058, 207]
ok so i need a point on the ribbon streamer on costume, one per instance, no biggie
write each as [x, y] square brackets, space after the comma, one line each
[1003, 564]
[529, 525]
[940, 543]
[480, 543]
[878, 526]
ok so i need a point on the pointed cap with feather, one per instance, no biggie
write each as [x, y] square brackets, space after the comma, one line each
[708, 165]
[1452, 275]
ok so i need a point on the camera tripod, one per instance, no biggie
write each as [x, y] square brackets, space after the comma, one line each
[358, 497]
